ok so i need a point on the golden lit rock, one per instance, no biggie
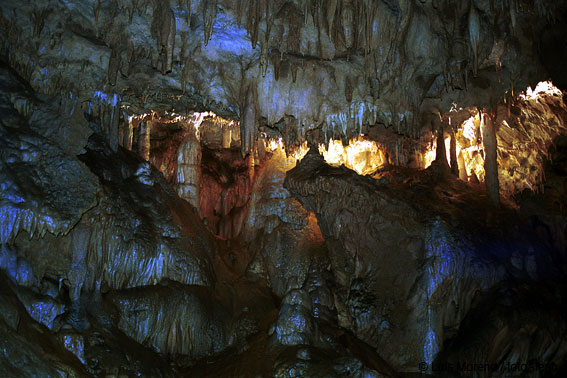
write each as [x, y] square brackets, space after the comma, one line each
[362, 156]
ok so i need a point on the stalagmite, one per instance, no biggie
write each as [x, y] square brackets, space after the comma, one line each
[490, 162]
[248, 123]
[144, 140]
[474, 35]
[453, 150]
[441, 153]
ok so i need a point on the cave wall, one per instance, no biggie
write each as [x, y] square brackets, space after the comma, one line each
[142, 235]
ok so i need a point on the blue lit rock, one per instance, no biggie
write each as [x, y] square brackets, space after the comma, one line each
[73, 342]
[27, 349]
[307, 62]
[295, 321]
[408, 312]
[174, 320]
[106, 271]
[42, 309]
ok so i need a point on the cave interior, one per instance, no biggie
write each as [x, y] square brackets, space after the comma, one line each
[283, 188]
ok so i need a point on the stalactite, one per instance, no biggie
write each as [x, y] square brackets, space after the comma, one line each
[127, 58]
[248, 123]
[169, 41]
[264, 59]
[275, 59]
[513, 10]
[348, 23]
[239, 9]
[113, 65]
[370, 12]
[163, 29]
[38, 20]
[254, 18]
[491, 159]
[113, 123]
[96, 9]
[269, 16]
[348, 90]
[474, 35]
[317, 17]
[209, 15]
[78, 270]
[332, 6]
[294, 70]
[131, 11]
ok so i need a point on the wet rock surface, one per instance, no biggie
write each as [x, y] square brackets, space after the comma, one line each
[409, 267]
[135, 284]
[143, 235]
[340, 65]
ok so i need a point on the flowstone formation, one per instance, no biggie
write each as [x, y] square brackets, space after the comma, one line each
[271, 188]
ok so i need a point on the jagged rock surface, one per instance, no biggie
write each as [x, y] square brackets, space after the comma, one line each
[336, 66]
[403, 237]
[106, 271]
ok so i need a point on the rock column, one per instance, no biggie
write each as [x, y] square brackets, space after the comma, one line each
[490, 161]
[144, 140]
[440, 153]
[453, 150]
[189, 170]
[128, 135]
[226, 135]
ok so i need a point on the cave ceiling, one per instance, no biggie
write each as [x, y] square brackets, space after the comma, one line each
[336, 67]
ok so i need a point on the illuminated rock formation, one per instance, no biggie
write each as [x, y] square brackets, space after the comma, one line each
[221, 188]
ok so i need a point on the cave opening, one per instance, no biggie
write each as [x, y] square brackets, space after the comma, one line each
[341, 188]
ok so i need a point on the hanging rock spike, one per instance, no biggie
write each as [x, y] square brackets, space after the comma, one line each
[474, 35]
[248, 123]
[209, 15]
[331, 11]
[348, 23]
